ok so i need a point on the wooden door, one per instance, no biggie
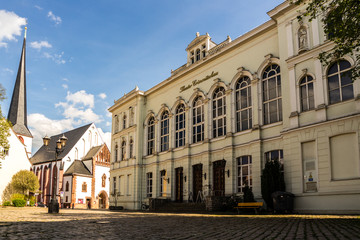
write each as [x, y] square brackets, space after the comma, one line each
[179, 184]
[197, 180]
[219, 178]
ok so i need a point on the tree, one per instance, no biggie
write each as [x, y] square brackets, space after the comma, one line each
[272, 180]
[4, 130]
[8, 191]
[24, 182]
[341, 19]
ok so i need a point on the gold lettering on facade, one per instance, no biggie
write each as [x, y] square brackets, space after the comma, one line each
[196, 82]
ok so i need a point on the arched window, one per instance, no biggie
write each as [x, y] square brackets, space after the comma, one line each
[271, 83]
[116, 123]
[198, 120]
[103, 180]
[243, 104]
[180, 126]
[123, 150]
[131, 120]
[67, 186]
[151, 136]
[219, 112]
[164, 131]
[307, 93]
[124, 122]
[339, 82]
[198, 55]
[116, 153]
[131, 146]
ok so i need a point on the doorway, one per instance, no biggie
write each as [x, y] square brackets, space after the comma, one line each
[219, 177]
[197, 180]
[179, 184]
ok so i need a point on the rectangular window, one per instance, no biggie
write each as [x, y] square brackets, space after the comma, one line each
[120, 193]
[163, 184]
[276, 155]
[84, 187]
[308, 153]
[149, 181]
[128, 186]
[345, 163]
[244, 173]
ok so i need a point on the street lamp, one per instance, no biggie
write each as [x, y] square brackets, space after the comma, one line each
[59, 148]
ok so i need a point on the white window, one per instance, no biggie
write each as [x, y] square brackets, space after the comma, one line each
[123, 150]
[307, 93]
[164, 132]
[271, 82]
[131, 146]
[180, 126]
[219, 112]
[244, 174]
[151, 136]
[198, 120]
[149, 181]
[243, 104]
[339, 82]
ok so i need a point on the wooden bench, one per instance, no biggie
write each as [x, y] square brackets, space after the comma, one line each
[254, 205]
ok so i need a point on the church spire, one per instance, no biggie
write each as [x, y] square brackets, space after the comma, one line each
[18, 110]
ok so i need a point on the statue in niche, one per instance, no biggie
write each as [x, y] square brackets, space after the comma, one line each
[302, 35]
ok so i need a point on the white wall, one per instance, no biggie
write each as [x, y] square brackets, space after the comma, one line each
[99, 171]
[79, 193]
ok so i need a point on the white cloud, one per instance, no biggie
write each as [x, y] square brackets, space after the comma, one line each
[106, 137]
[65, 79]
[81, 97]
[102, 95]
[8, 70]
[40, 126]
[54, 18]
[41, 44]
[108, 124]
[65, 86]
[58, 58]
[38, 7]
[10, 26]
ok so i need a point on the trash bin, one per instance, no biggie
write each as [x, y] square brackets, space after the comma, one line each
[283, 201]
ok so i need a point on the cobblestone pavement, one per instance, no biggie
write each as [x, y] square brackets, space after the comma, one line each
[36, 223]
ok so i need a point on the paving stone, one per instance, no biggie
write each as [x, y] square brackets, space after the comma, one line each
[36, 223]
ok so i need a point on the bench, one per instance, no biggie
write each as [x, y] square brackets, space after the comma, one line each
[254, 205]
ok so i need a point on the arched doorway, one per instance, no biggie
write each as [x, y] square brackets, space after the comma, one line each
[103, 200]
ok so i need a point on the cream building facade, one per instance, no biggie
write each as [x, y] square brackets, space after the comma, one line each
[211, 126]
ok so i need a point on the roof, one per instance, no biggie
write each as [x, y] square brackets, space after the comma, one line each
[18, 111]
[78, 167]
[92, 152]
[47, 154]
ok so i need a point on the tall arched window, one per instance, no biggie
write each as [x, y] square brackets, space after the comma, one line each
[219, 112]
[116, 123]
[307, 93]
[67, 186]
[116, 153]
[243, 104]
[198, 120]
[124, 122]
[271, 83]
[123, 150]
[151, 136]
[180, 126]
[339, 82]
[131, 146]
[164, 131]
[198, 55]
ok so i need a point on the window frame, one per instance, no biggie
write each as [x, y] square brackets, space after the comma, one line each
[198, 121]
[164, 131]
[180, 126]
[305, 82]
[239, 89]
[218, 130]
[339, 73]
[149, 184]
[240, 170]
[151, 136]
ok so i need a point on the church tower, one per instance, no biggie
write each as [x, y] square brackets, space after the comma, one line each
[18, 110]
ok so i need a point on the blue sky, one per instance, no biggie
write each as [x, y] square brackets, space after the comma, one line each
[84, 54]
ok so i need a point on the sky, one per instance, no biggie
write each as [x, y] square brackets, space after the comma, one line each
[82, 55]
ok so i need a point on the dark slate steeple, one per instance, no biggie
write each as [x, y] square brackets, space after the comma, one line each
[17, 111]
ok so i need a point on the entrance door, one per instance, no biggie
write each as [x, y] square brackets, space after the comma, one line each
[219, 177]
[179, 184]
[88, 203]
[197, 180]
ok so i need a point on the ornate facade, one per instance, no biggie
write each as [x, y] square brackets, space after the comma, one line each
[210, 127]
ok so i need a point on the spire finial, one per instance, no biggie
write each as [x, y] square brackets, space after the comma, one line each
[25, 32]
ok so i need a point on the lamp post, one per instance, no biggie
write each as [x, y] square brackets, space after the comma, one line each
[59, 148]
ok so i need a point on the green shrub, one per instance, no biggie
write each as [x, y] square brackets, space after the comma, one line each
[32, 203]
[6, 203]
[272, 180]
[19, 202]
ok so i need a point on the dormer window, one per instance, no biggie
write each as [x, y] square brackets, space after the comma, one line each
[204, 46]
[198, 55]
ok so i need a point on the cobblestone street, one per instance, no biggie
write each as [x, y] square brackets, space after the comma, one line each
[36, 223]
